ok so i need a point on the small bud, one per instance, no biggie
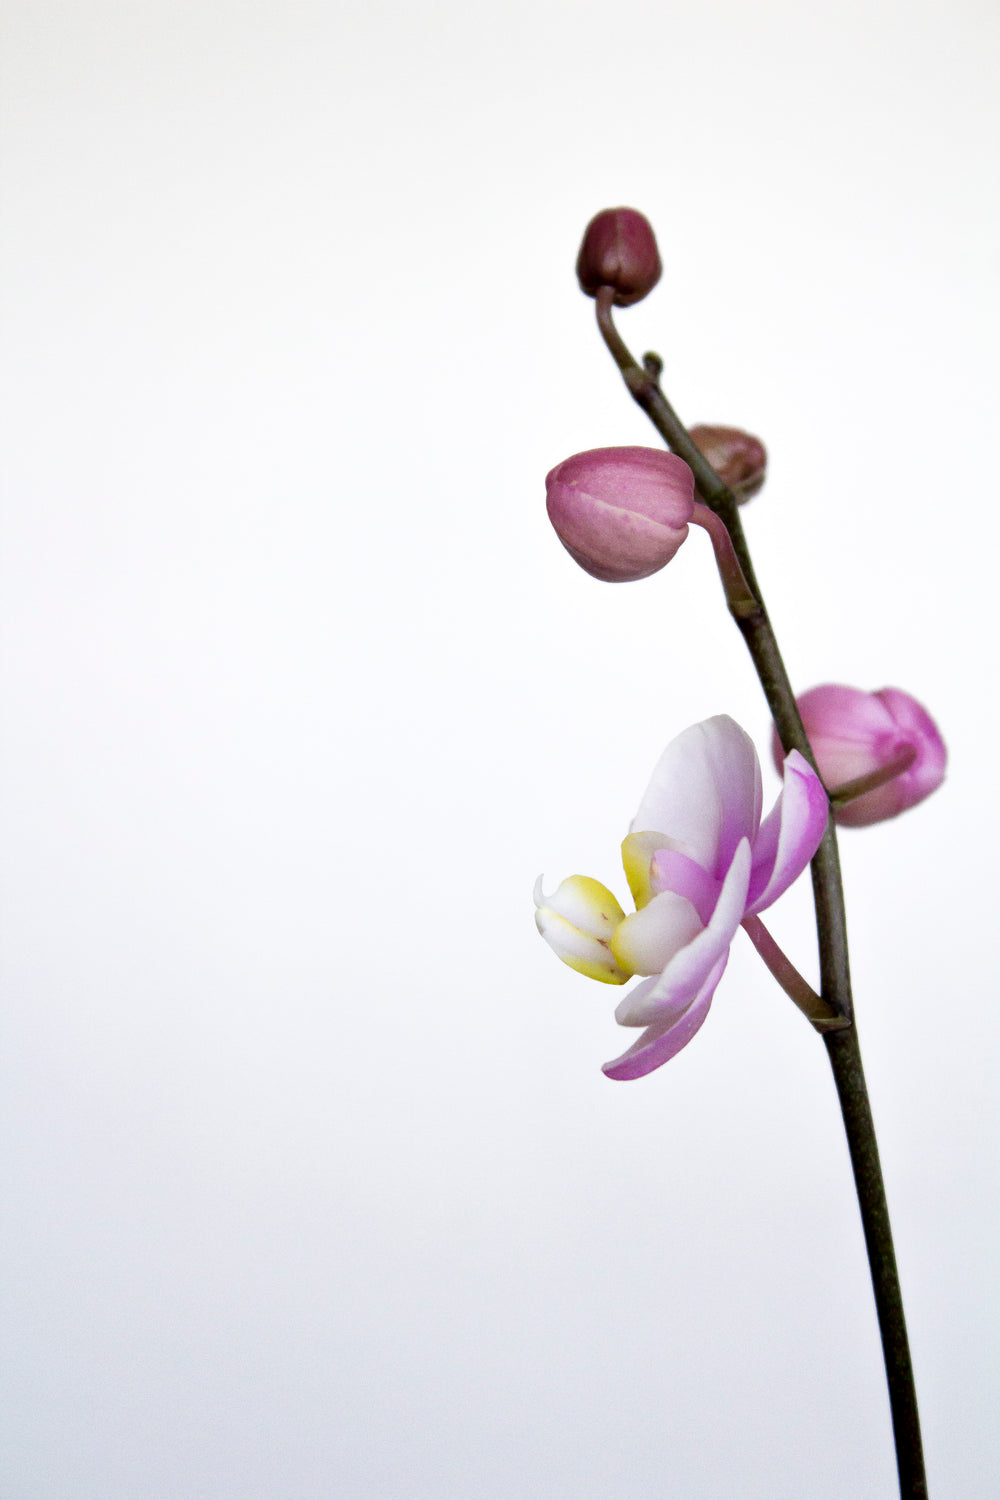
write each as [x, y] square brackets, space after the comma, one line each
[739, 459]
[856, 734]
[619, 250]
[621, 513]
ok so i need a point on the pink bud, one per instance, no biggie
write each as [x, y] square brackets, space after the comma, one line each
[619, 250]
[621, 513]
[856, 734]
[739, 459]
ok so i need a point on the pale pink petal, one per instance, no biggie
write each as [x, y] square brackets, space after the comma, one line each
[663, 1040]
[860, 717]
[790, 834]
[673, 871]
[685, 974]
[919, 730]
[637, 994]
[705, 793]
[851, 732]
[854, 733]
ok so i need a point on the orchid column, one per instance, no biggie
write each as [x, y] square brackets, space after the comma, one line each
[699, 860]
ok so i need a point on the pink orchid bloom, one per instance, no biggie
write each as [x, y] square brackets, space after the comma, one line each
[698, 860]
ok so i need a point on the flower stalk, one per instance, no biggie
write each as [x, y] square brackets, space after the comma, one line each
[741, 599]
[843, 1050]
[850, 790]
[798, 990]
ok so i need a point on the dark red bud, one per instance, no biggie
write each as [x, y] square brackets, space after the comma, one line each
[739, 459]
[619, 250]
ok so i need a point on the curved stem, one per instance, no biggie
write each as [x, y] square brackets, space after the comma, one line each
[739, 596]
[831, 925]
[813, 1006]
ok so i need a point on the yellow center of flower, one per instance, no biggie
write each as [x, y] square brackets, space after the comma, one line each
[578, 921]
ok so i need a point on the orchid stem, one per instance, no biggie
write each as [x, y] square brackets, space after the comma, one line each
[841, 795]
[843, 1050]
[813, 1006]
[741, 599]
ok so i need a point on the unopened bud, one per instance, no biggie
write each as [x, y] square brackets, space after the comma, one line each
[739, 459]
[619, 250]
[856, 735]
[621, 513]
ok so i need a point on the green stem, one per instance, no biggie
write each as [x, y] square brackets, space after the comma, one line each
[831, 923]
[844, 1053]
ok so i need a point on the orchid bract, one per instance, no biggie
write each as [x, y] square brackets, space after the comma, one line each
[698, 860]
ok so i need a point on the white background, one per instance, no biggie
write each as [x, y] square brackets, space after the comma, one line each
[312, 1185]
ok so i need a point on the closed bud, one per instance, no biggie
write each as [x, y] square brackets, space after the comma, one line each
[739, 459]
[621, 513]
[619, 250]
[855, 735]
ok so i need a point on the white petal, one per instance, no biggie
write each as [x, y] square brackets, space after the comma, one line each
[648, 940]
[665, 1038]
[585, 902]
[705, 792]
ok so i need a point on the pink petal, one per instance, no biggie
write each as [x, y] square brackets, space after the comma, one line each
[705, 793]
[847, 713]
[790, 834]
[673, 871]
[919, 730]
[854, 733]
[682, 980]
[662, 1041]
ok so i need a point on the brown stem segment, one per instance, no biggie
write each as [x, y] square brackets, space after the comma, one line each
[845, 1060]
[643, 382]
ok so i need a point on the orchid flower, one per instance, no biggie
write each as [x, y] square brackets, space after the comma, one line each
[698, 861]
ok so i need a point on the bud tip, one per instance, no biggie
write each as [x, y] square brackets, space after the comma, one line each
[619, 250]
